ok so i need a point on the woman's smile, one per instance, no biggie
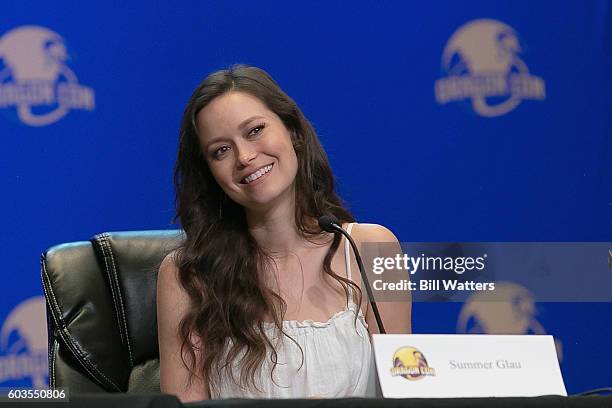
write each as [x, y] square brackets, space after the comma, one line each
[258, 176]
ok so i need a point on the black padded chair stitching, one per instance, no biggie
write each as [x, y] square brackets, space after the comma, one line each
[101, 241]
[85, 363]
[50, 336]
[54, 351]
[68, 340]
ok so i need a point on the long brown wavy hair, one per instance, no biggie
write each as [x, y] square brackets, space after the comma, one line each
[220, 264]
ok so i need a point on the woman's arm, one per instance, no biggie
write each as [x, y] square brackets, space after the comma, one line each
[397, 314]
[172, 304]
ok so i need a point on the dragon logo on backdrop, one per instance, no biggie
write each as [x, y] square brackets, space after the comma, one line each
[34, 77]
[23, 345]
[482, 63]
[511, 309]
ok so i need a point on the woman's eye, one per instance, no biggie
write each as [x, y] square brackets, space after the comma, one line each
[220, 152]
[256, 130]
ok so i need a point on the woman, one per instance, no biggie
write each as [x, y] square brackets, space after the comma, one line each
[258, 301]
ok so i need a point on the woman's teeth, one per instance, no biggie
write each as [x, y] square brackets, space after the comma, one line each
[257, 174]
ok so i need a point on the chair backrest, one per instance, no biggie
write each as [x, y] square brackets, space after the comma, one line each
[101, 311]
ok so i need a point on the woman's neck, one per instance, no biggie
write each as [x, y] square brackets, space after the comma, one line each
[275, 229]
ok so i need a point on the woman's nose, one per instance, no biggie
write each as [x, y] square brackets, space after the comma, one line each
[245, 155]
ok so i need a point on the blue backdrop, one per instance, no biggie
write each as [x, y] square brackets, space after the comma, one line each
[467, 121]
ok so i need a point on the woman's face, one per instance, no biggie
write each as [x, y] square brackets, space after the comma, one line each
[248, 150]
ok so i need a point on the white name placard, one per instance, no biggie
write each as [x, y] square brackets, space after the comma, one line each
[466, 365]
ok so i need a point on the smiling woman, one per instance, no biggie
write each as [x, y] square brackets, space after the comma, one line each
[258, 301]
[252, 159]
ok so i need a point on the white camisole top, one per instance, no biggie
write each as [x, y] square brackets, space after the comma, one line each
[337, 358]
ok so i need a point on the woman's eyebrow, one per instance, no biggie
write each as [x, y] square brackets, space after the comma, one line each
[241, 126]
[215, 140]
[247, 121]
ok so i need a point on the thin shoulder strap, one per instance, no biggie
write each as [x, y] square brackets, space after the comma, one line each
[347, 260]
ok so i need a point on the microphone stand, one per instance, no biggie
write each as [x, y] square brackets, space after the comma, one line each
[364, 278]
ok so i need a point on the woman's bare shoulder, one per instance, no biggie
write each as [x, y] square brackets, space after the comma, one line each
[372, 233]
[170, 262]
[168, 275]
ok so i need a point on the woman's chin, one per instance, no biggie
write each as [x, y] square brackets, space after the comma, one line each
[265, 199]
[263, 202]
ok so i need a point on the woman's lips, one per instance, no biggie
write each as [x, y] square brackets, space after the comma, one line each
[258, 176]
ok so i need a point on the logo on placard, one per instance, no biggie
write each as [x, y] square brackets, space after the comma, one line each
[482, 63]
[23, 345]
[410, 363]
[34, 77]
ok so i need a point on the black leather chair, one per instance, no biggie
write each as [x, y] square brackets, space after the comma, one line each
[101, 313]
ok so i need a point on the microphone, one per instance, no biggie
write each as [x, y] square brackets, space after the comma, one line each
[329, 223]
